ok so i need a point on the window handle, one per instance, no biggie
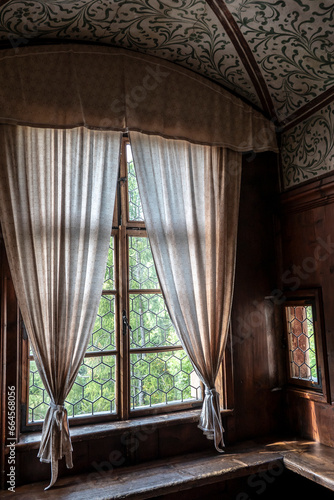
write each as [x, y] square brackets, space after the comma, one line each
[126, 324]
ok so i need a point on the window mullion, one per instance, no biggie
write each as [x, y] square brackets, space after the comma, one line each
[124, 371]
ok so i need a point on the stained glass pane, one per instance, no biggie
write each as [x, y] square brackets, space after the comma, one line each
[93, 391]
[135, 206]
[142, 273]
[109, 280]
[303, 362]
[103, 335]
[150, 322]
[162, 378]
[38, 397]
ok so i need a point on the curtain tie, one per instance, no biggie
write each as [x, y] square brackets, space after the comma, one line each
[61, 413]
[211, 392]
[210, 420]
[54, 406]
[58, 440]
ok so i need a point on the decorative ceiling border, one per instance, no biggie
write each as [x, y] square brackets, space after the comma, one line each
[246, 55]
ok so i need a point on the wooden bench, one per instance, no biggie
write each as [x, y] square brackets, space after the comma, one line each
[164, 477]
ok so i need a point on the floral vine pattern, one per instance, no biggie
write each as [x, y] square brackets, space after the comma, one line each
[292, 41]
[183, 31]
[308, 149]
[293, 44]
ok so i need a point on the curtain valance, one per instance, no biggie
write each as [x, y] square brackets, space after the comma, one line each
[108, 88]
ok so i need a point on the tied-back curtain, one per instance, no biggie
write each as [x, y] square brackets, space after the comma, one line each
[190, 196]
[57, 193]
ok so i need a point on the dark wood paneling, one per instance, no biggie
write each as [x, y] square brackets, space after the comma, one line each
[182, 439]
[257, 353]
[100, 456]
[307, 243]
[9, 364]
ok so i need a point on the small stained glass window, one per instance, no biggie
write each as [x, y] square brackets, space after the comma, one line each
[301, 339]
[305, 344]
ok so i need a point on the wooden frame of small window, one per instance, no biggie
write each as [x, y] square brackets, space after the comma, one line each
[304, 339]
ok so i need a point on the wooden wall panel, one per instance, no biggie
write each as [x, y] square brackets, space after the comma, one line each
[10, 354]
[307, 247]
[257, 352]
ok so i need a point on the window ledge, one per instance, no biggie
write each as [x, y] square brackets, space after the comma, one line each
[31, 440]
[303, 392]
[166, 476]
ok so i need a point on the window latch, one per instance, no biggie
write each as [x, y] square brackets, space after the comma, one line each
[126, 324]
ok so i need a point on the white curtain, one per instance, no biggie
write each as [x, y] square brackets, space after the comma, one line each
[57, 192]
[190, 197]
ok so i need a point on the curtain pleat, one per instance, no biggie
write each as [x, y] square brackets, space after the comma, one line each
[57, 194]
[190, 197]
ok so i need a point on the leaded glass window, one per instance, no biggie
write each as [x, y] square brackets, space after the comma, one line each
[134, 363]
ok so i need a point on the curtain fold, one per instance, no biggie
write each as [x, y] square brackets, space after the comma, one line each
[190, 197]
[57, 193]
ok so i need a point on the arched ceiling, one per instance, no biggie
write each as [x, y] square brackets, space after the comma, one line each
[276, 54]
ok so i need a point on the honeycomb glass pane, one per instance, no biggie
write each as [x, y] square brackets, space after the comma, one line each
[150, 322]
[109, 278]
[142, 273]
[103, 335]
[93, 392]
[38, 397]
[135, 206]
[302, 350]
[162, 378]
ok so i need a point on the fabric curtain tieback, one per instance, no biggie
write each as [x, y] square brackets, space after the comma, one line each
[60, 414]
[211, 392]
[54, 406]
[60, 433]
[210, 420]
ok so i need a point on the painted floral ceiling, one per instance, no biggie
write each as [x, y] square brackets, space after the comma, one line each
[276, 54]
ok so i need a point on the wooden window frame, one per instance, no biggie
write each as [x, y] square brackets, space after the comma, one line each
[307, 388]
[14, 345]
[122, 229]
